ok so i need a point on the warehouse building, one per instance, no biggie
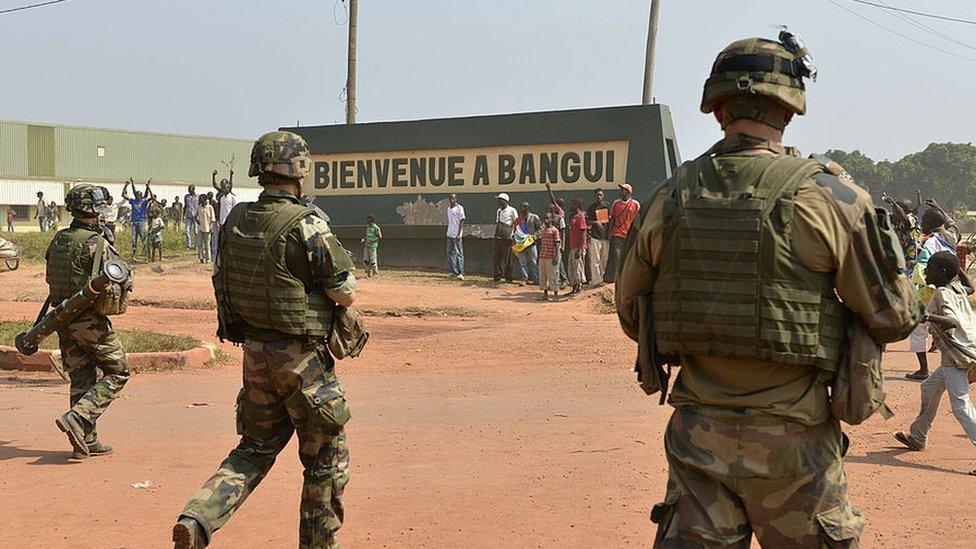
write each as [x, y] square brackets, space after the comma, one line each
[52, 158]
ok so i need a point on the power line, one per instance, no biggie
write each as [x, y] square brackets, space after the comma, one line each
[30, 6]
[919, 25]
[905, 36]
[921, 13]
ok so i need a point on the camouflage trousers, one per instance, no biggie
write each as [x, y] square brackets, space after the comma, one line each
[96, 366]
[731, 477]
[289, 386]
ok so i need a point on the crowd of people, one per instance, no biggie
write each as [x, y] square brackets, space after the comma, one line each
[553, 252]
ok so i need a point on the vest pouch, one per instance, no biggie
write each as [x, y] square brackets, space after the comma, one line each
[114, 300]
[857, 391]
[348, 335]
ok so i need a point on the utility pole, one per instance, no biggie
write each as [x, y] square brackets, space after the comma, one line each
[649, 56]
[351, 67]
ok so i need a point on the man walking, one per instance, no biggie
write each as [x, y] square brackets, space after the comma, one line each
[753, 262]
[279, 302]
[505, 216]
[90, 349]
[455, 234]
[597, 215]
[190, 204]
[41, 214]
[622, 215]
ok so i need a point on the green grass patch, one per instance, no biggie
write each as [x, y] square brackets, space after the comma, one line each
[219, 357]
[33, 245]
[133, 341]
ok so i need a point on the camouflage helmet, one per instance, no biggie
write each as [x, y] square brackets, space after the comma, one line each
[756, 66]
[280, 153]
[86, 200]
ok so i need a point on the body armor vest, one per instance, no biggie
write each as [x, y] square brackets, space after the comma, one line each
[64, 275]
[729, 285]
[253, 285]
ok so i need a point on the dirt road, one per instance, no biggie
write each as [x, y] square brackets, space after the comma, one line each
[481, 418]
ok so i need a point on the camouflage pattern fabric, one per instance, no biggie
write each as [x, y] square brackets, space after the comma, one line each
[280, 153]
[729, 80]
[289, 385]
[732, 477]
[96, 365]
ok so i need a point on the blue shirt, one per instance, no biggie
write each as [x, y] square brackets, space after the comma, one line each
[139, 207]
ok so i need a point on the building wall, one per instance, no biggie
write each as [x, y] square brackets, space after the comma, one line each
[70, 153]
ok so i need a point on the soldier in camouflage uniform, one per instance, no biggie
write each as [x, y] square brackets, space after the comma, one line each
[279, 274]
[754, 259]
[90, 350]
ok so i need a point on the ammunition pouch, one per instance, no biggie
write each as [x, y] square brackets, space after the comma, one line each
[348, 335]
[857, 391]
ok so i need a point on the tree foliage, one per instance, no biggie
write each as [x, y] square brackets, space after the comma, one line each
[944, 171]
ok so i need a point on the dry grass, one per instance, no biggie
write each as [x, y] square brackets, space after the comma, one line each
[133, 341]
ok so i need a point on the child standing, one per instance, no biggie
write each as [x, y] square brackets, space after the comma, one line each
[549, 258]
[371, 244]
[953, 324]
[156, 226]
[578, 242]
[206, 218]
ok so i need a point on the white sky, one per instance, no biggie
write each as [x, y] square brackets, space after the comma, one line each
[241, 67]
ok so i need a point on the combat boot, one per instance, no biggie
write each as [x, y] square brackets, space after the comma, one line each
[188, 534]
[95, 448]
[71, 425]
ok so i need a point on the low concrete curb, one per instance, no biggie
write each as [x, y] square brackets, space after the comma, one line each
[41, 361]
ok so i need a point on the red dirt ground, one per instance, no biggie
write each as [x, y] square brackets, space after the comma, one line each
[511, 424]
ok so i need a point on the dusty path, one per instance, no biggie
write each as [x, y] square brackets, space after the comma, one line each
[509, 424]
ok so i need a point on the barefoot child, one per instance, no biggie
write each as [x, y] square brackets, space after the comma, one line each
[578, 242]
[549, 258]
[953, 324]
[371, 244]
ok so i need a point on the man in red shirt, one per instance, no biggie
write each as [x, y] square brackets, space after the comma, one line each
[578, 242]
[622, 215]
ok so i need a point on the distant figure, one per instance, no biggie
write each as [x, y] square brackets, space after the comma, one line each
[225, 202]
[371, 244]
[622, 215]
[53, 216]
[176, 212]
[10, 219]
[204, 222]
[505, 216]
[597, 216]
[156, 226]
[190, 204]
[549, 258]
[110, 215]
[578, 243]
[455, 240]
[41, 214]
[139, 212]
[529, 224]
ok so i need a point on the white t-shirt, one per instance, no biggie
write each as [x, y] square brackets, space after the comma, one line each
[111, 212]
[506, 216]
[455, 215]
[227, 203]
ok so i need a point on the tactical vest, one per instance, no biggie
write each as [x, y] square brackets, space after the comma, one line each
[253, 285]
[729, 284]
[64, 277]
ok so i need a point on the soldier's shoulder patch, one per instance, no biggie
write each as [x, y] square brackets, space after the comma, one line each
[829, 165]
[841, 191]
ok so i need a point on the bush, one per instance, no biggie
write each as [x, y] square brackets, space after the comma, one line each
[133, 341]
[34, 245]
